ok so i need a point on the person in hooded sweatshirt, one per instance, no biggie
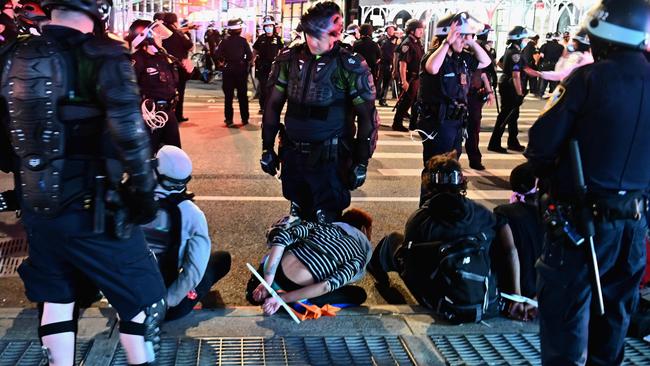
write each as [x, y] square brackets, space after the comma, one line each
[179, 237]
[447, 215]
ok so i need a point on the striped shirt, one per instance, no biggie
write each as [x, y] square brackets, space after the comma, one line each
[329, 251]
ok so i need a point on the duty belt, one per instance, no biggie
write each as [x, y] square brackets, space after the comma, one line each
[618, 206]
[316, 152]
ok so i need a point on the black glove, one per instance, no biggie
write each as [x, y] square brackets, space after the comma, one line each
[269, 162]
[142, 207]
[358, 175]
[520, 99]
[8, 201]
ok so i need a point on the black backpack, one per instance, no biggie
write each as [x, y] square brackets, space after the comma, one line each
[453, 278]
[163, 235]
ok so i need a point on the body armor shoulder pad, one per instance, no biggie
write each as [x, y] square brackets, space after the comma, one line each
[105, 47]
[353, 62]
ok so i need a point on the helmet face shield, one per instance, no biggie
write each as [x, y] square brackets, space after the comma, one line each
[155, 32]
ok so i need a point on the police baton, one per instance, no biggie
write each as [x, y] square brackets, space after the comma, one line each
[586, 223]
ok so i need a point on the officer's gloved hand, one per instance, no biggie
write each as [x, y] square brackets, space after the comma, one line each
[520, 99]
[358, 175]
[142, 207]
[9, 201]
[269, 162]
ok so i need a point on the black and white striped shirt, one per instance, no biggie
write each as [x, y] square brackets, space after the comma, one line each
[330, 252]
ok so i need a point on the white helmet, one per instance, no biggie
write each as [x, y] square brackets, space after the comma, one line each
[174, 168]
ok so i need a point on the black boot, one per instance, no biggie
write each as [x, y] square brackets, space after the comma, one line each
[375, 268]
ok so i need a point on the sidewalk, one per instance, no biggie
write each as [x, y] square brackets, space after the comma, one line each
[378, 335]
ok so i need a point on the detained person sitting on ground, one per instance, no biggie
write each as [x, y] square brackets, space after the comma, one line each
[179, 236]
[443, 255]
[522, 215]
[316, 261]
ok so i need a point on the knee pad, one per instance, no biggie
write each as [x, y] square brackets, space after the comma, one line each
[149, 329]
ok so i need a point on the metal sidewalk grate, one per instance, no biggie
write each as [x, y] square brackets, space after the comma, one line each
[28, 352]
[346, 351]
[12, 253]
[514, 349]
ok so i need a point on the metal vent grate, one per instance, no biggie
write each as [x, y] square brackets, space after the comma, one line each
[12, 254]
[281, 351]
[514, 349]
[29, 353]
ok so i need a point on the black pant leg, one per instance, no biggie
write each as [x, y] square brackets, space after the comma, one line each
[228, 88]
[475, 107]
[218, 267]
[170, 133]
[405, 104]
[242, 97]
[263, 78]
[182, 81]
[507, 109]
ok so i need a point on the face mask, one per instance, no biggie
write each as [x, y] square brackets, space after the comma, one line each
[570, 48]
[524, 43]
[268, 29]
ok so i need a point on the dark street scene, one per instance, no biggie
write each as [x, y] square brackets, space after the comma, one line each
[346, 182]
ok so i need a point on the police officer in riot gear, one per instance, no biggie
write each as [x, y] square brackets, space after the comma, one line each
[605, 108]
[410, 53]
[265, 48]
[157, 75]
[387, 45]
[322, 84]
[512, 89]
[74, 134]
[444, 84]
[235, 52]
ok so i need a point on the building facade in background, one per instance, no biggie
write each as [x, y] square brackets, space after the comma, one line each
[542, 16]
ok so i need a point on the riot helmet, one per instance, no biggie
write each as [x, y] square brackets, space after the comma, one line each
[268, 24]
[152, 35]
[412, 25]
[390, 25]
[322, 18]
[517, 33]
[623, 23]
[352, 30]
[99, 10]
[235, 26]
[29, 14]
[483, 34]
[466, 24]
[173, 168]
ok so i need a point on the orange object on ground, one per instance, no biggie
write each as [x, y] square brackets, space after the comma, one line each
[315, 312]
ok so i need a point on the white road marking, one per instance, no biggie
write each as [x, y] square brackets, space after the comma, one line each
[401, 155]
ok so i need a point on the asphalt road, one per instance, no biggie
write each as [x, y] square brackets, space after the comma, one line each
[240, 201]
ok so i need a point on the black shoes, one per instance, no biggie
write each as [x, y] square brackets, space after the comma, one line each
[228, 123]
[399, 128]
[383, 103]
[516, 147]
[244, 122]
[476, 165]
[375, 269]
[184, 119]
[497, 149]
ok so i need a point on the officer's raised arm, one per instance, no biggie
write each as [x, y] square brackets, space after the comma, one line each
[435, 60]
[119, 93]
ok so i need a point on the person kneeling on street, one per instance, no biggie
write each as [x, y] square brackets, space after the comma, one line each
[179, 237]
[444, 255]
[316, 261]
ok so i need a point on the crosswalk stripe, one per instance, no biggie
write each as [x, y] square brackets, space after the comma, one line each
[401, 155]
[471, 194]
[466, 172]
[385, 142]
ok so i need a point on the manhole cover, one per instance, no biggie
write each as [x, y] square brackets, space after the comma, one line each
[12, 254]
[514, 349]
[281, 351]
[28, 352]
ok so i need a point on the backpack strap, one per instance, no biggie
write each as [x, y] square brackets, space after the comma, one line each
[168, 262]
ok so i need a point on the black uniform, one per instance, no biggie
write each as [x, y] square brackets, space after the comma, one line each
[476, 98]
[65, 128]
[551, 51]
[267, 48]
[387, 47]
[513, 61]
[409, 51]
[605, 107]
[158, 81]
[10, 32]
[443, 105]
[318, 146]
[237, 55]
[528, 54]
[370, 51]
[212, 38]
[179, 45]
